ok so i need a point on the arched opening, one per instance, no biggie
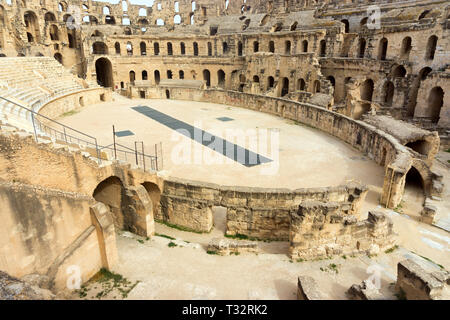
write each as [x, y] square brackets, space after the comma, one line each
[421, 146]
[143, 48]
[346, 25]
[414, 194]
[301, 85]
[144, 75]
[272, 46]
[127, 30]
[255, 46]
[103, 69]
[32, 26]
[99, 48]
[132, 77]
[423, 14]
[240, 49]
[181, 74]
[435, 103]
[117, 47]
[169, 74]
[406, 48]
[110, 20]
[58, 57]
[71, 40]
[129, 48]
[111, 193]
[54, 34]
[431, 48]
[207, 77]
[382, 49]
[399, 72]
[167, 94]
[169, 49]
[323, 48]
[270, 82]
[285, 87]
[305, 46]
[367, 90]
[362, 48]
[209, 49]
[388, 93]
[316, 87]
[195, 45]
[49, 17]
[156, 48]
[157, 76]
[182, 48]
[287, 47]
[221, 79]
[225, 48]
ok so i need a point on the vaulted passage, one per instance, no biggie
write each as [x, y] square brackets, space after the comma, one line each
[103, 69]
[111, 193]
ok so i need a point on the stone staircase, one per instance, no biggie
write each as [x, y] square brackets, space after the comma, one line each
[30, 82]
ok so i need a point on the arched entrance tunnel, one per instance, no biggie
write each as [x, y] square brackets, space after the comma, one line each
[103, 69]
[414, 195]
[111, 193]
[155, 195]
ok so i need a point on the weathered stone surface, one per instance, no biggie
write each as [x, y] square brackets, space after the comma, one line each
[12, 288]
[364, 291]
[307, 289]
[228, 246]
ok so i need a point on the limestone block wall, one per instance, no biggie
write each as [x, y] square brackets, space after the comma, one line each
[74, 101]
[47, 231]
[254, 212]
[322, 229]
[417, 284]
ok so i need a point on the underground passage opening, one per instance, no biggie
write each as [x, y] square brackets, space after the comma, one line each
[220, 219]
[155, 195]
[420, 146]
[414, 195]
[110, 192]
[103, 69]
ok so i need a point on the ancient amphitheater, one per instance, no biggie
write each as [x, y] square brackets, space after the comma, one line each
[225, 149]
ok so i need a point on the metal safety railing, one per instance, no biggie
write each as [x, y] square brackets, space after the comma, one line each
[44, 126]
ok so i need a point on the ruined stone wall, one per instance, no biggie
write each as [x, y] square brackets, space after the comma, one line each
[46, 231]
[322, 229]
[74, 101]
[254, 212]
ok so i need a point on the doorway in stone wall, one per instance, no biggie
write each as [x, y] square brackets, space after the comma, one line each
[219, 220]
[414, 194]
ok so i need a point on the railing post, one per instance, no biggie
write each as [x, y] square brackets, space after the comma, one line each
[65, 136]
[156, 156]
[34, 127]
[136, 153]
[114, 142]
[98, 152]
[143, 153]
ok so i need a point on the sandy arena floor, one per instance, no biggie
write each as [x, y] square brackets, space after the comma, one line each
[307, 157]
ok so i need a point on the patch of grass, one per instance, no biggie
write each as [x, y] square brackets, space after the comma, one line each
[140, 241]
[428, 259]
[164, 236]
[239, 236]
[391, 249]
[181, 228]
[69, 113]
[108, 282]
[344, 257]
[300, 260]
[331, 267]
[211, 252]
[236, 253]
[399, 208]
[172, 244]
[448, 150]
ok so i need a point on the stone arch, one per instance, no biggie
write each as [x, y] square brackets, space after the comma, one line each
[143, 48]
[270, 82]
[388, 90]
[346, 25]
[32, 26]
[58, 57]
[361, 48]
[287, 47]
[49, 17]
[366, 90]
[406, 48]
[157, 76]
[132, 75]
[221, 78]
[207, 77]
[382, 49]
[154, 194]
[195, 47]
[435, 103]
[323, 48]
[301, 84]
[399, 72]
[316, 86]
[117, 48]
[285, 87]
[103, 69]
[111, 193]
[99, 47]
[144, 75]
[431, 47]
[169, 49]
[272, 46]
[54, 33]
